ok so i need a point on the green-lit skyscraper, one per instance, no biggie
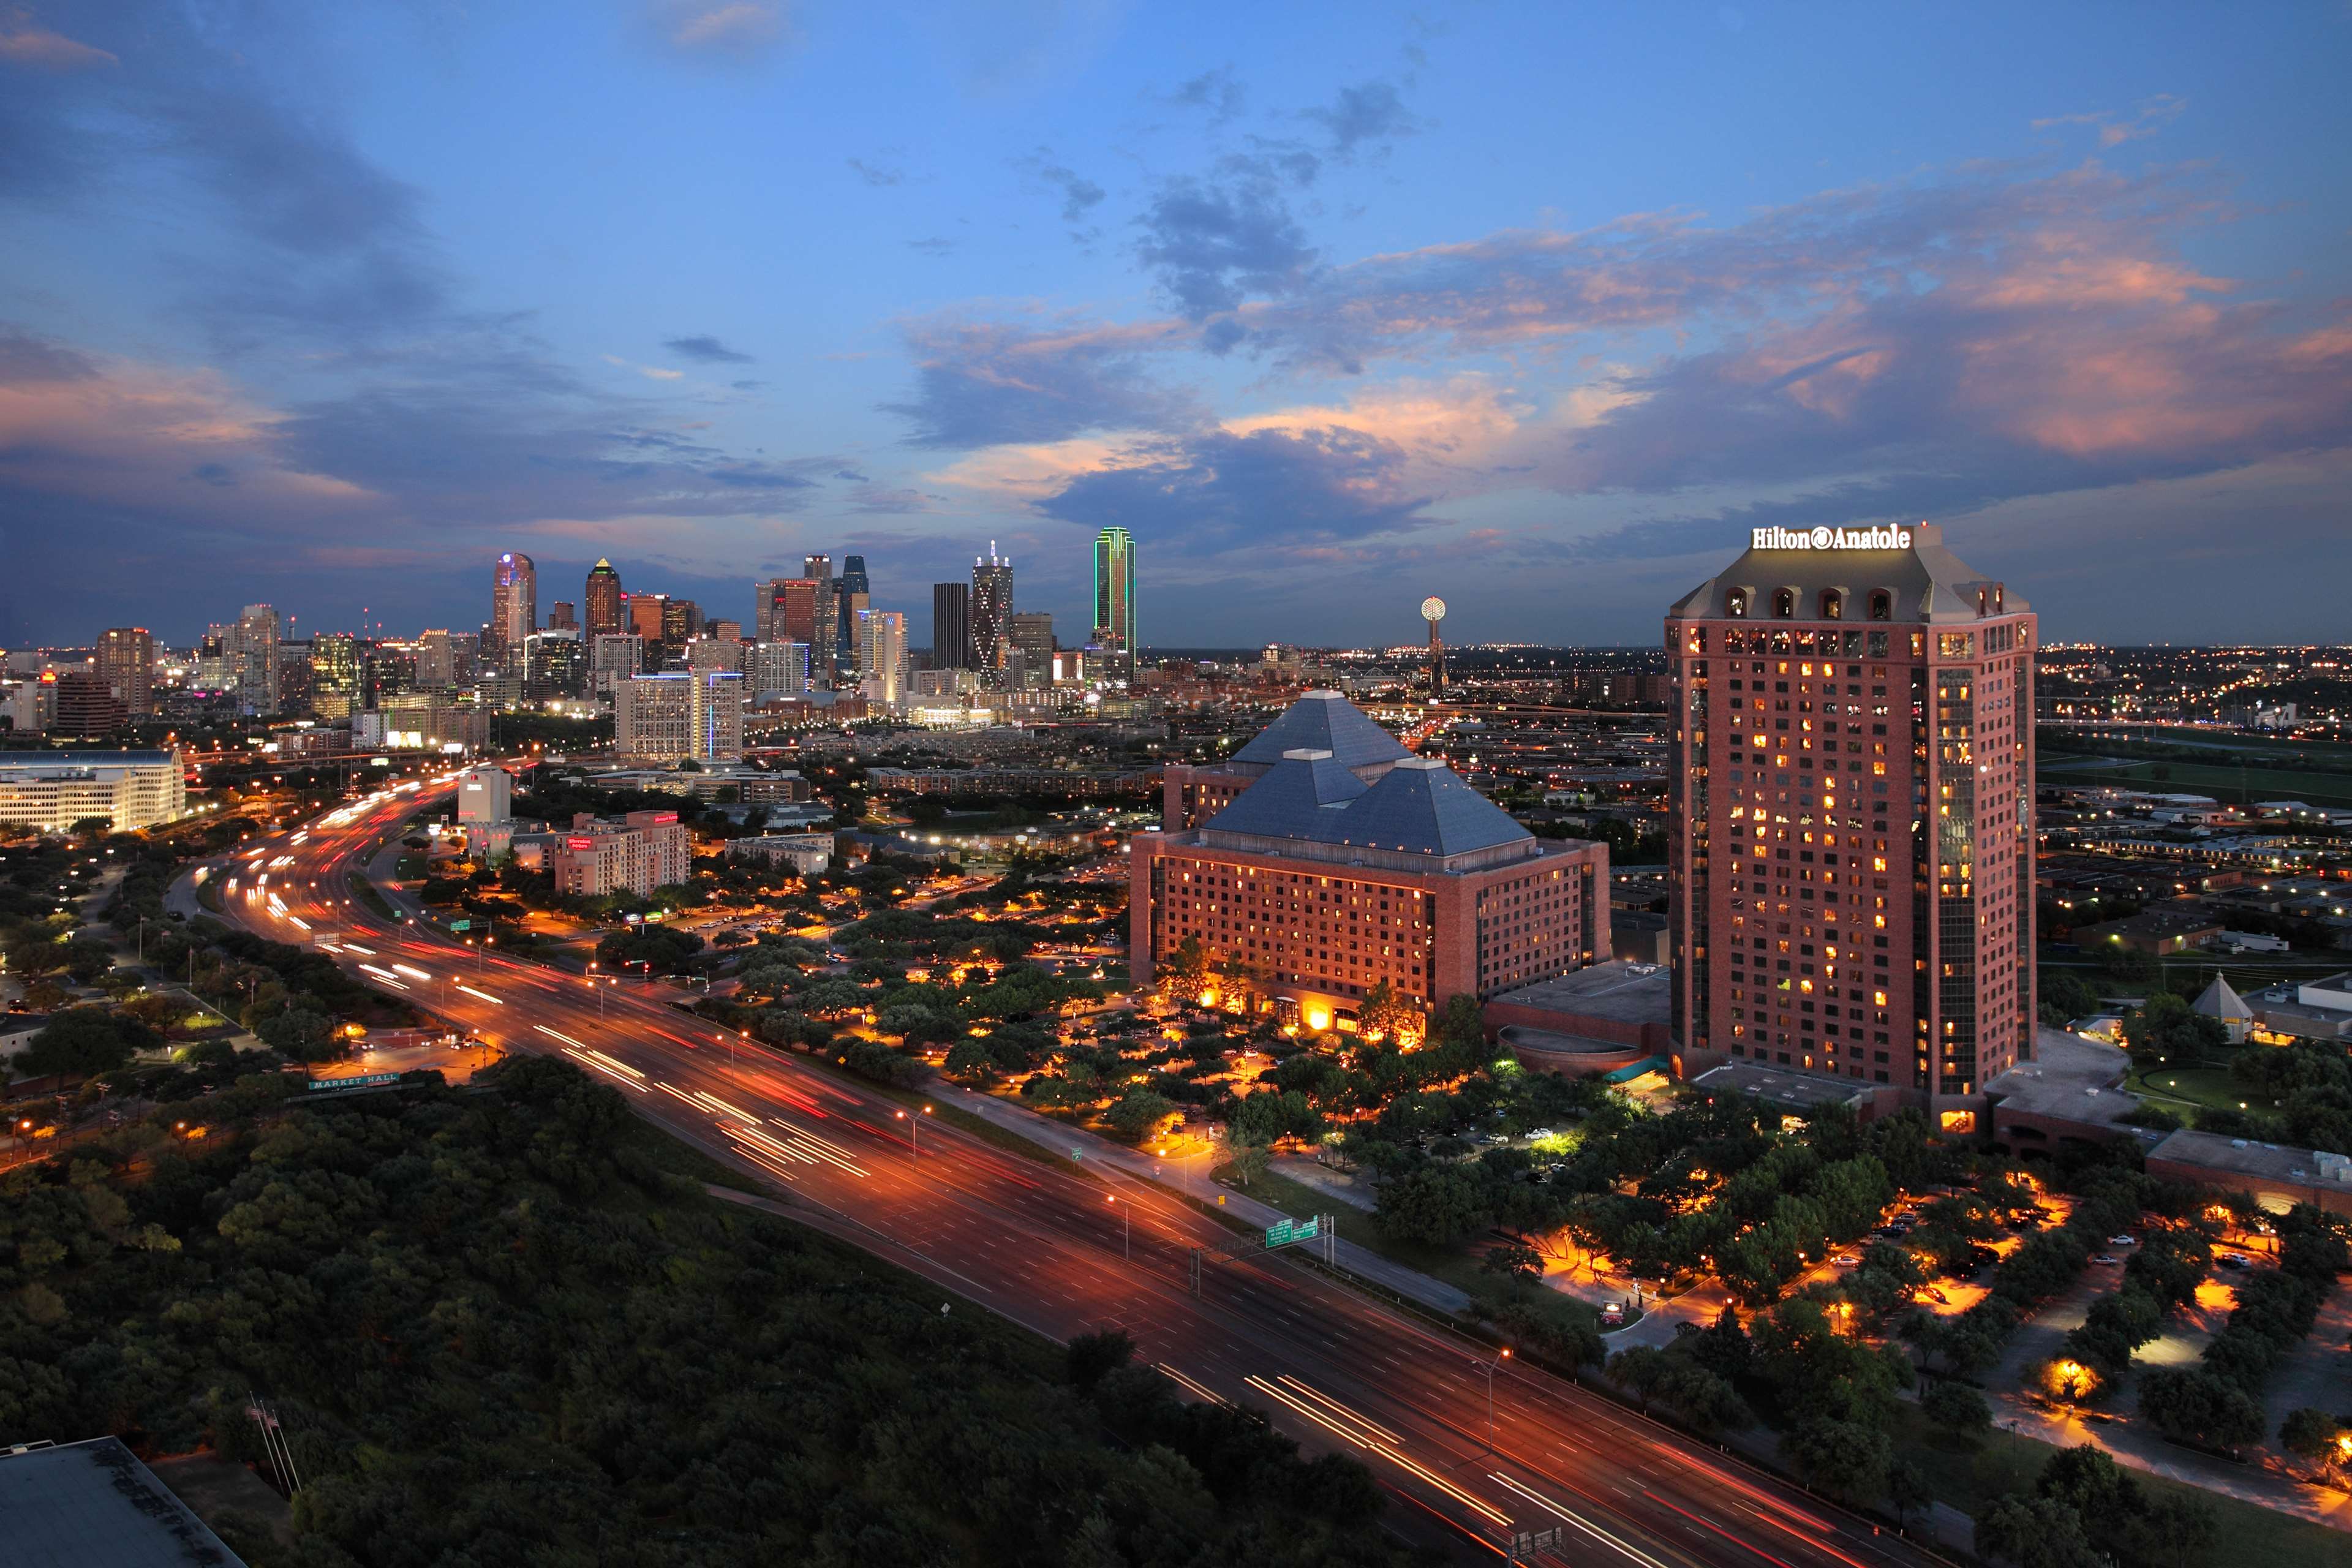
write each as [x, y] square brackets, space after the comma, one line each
[1114, 630]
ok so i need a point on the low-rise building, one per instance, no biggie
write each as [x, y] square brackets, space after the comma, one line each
[2158, 931]
[640, 852]
[51, 791]
[807, 853]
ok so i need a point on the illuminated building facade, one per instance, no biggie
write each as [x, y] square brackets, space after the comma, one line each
[1852, 790]
[602, 601]
[514, 607]
[641, 851]
[126, 662]
[1325, 859]
[1114, 627]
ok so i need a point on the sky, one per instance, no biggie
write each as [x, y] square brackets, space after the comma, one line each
[1536, 308]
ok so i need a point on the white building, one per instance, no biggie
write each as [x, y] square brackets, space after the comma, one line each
[806, 853]
[678, 713]
[882, 656]
[614, 657]
[777, 670]
[51, 791]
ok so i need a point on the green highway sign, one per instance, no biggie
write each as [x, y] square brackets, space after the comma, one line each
[465, 924]
[1288, 1231]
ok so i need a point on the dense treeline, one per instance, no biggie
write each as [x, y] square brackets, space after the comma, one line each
[501, 1329]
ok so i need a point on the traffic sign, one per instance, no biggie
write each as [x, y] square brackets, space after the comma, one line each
[464, 924]
[1288, 1231]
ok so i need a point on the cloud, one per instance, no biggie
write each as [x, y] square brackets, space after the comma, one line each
[936, 245]
[24, 43]
[2154, 115]
[1221, 490]
[706, 349]
[1079, 196]
[1213, 90]
[981, 384]
[1216, 244]
[1369, 111]
[718, 27]
[876, 173]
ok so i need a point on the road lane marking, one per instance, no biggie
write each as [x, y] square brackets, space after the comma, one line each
[1357, 1429]
[1581, 1523]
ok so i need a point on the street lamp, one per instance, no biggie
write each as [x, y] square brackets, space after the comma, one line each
[1490, 1368]
[1127, 1238]
[914, 1127]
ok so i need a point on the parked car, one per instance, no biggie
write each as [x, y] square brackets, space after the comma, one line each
[1849, 1260]
[2122, 1241]
[1542, 1132]
[2106, 1258]
[2232, 1260]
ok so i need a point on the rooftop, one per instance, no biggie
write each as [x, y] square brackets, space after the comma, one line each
[1324, 721]
[1418, 807]
[1791, 1091]
[1632, 993]
[2278, 1162]
[1929, 582]
[2069, 1078]
[94, 1505]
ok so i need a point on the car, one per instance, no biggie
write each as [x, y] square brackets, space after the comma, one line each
[2232, 1260]
[2106, 1258]
[1849, 1261]
[1498, 1138]
[2122, 1241]
[1543, 1133]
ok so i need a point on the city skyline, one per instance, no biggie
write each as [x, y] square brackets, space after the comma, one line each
[277, 335]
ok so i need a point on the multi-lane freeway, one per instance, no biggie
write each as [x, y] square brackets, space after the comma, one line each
[1066, 1253]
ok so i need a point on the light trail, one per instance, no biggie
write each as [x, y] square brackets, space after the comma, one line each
[355, 947]
[1356, 1429]
[1594, 1530]
[412, 971]
[1198, 1391]
[483, 995]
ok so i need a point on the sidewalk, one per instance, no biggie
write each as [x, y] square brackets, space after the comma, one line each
[1092, 1148]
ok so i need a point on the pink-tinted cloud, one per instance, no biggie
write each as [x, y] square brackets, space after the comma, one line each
[23, 42]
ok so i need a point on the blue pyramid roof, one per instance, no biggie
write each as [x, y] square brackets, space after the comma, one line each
[1291, 801]
[1417, 807]
[1324, 721]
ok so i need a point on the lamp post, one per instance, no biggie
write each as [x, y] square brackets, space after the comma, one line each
[1490, 1368]
[1126, 1234]
[914, 1130]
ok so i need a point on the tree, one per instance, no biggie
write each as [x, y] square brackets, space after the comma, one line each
[1906, 1490]
[1435, 1203]
[2313, 1435]
[1090, 1358]
[1387, 1016]
[2174, 1531]
[1247, 1162]
[298, 1034]
[1138, 1112]
[87, 958]
[1640, 1371]
[84, 1041]
[1847, 1458]
[2164, 1029]
[1184, 973]
[2035, 1532]
[1956, 1407]
[2191, 1405]
[1512, 1260]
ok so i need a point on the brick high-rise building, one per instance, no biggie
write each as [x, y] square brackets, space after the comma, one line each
[126, 662]
[87, 705]
[641, 851]
[1852, 860]
[1335, 859]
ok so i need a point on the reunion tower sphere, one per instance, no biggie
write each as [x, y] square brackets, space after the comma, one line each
[1432, 609]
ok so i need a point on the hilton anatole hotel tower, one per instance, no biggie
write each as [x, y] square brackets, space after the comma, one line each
[1852, 860]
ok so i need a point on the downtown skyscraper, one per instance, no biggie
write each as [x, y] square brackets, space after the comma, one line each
[992, 617]
[1114, 623]
[514, 607]
[1850, 863]
[600, 605]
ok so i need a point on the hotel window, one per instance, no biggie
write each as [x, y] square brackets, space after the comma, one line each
[1832, 603]
[1784, 603]
[1882, 605]
[1735, 604]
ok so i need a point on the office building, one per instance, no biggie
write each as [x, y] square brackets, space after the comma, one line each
[51, 791]
[714, 653]
[32, 705]
[647, 615]
[444, 660]
[882, 656]
[514, 608]
[215, 660]
[424, 721]
[824, 631]
[1114, 627]
[992, 619]
[766, 596]
[681, 624]
[794, 616]
[87, 705]
[1852, 793]
[255, 659]
[1343, 861]
[338, 671]
[641, 851]
[554, 665]
[806, 853]
[677, 713]
[1032, 649]
[776, 669]
[562, 617]
[614, 657]
[602, 601]
[852, 596]
[950, 625]
[725, 631]
[126, 662]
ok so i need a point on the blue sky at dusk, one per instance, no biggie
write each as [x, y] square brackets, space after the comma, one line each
[1538, 308]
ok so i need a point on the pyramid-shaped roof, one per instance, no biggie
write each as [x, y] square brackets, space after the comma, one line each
[1418, 807]
[2219, 1001]
[1324, 721]
[1288, 802]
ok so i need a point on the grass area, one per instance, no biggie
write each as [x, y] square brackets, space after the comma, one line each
[2204, 1088]
[372, 898]
[1971, 1473]
[2223, 783]
[1457, 1268]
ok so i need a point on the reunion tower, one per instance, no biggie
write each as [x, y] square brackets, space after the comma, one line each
[1432, 610]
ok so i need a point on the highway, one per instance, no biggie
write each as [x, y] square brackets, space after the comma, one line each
[1063, 1254]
